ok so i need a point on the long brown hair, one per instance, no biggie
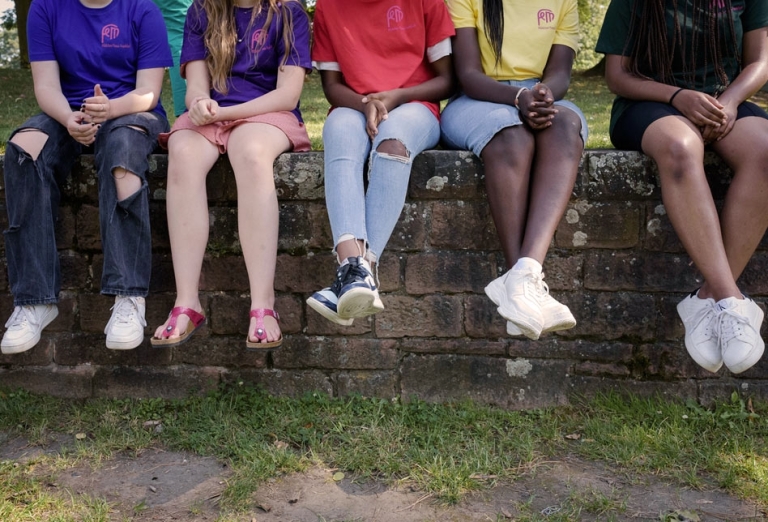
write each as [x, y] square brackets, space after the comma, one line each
[221, 34]
[652, 52]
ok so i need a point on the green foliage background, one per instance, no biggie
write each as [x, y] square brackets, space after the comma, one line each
[591, 15]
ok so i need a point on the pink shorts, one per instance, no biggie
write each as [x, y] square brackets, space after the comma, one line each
[218, 132]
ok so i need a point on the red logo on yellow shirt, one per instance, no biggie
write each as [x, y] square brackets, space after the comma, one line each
[545, 16]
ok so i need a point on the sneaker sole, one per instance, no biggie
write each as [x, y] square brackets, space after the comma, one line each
[125, 345]
[749, 361]
[321, 309]
[561, 323]
[496, 292]
[13, 350]
[359, 302]
[690, 347]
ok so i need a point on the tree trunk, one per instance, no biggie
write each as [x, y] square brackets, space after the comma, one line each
[22, 8]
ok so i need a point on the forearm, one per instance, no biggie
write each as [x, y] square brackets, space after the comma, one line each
[558, 83]
[433, 90]
[340, 95]
[746, 84]
[53, 103]
[624, 83]
[476, 84]
[139, 100]
[274, 101]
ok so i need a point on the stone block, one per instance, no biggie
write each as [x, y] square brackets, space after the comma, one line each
[611, 370]
[158, 223]
[621, 175]
[436, 175]
[447, 272]
[65, 383]
[90, 348]
[39, 355]
[669, 327]
[584, 386]
[753, 280]
[578, 350]
[68, 309]
[667, 361]
[163, 278]
[304, 274]
[224, 351]
[481, 319]
[75, 270]
[342, 353]
[380, 384]
[659, 235]
[429, 316]
[720, 391]
[146, 382]
[95, 311]
[66, 227]
[390, 270]
[321, 236]
[88, 229]
[223, 237]
[563, 271]
[410, 232]
[462, 225]
[295, 228]
[608, 316]
[300, 176]
[639, 271]
[599, 225]
[290, 383]
[460, 346]
[224, 274]
[508, 383]
[229, 314]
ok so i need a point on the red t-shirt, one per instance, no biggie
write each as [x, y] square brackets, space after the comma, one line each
[380, 45]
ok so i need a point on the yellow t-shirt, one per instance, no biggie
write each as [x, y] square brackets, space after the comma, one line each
[531, 28]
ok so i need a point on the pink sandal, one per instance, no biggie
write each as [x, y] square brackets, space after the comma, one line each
[196, 321]
[260, 333]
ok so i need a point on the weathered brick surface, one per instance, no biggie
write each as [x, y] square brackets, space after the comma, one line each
[615, 261]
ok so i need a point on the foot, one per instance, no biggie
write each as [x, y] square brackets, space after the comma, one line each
[326, 301]
[739, 327]
[516, 294]
[125, 329]
[700, 318]
[24, 327]
[358, 296]
[182, 323]
[270, 327]
[556, 315]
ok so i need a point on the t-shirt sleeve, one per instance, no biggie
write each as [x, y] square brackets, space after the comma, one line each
[322, 48]
[613, 34]
[462, 13]
[39, 34]
[567, 32]
[193, 45]
[755, 15]
[299, 52]
[154, 51]
[438, 22]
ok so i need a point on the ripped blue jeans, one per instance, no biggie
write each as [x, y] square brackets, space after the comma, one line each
[371, 215]
[33, 193]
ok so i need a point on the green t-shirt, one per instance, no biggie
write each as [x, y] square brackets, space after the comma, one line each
[748, 15]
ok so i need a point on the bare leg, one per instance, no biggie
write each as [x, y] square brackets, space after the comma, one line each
[253, 148]
[31, 140]
[507, 159]
[558, 152]
[745, 213]
[676, 146]
[191, 156]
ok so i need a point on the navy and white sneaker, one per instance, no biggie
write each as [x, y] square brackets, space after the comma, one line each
[358, 296]
[325, 301]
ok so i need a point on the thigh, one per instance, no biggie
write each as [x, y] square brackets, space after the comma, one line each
[673, 139]
[412, 124]
[344, 135]
[470, 124]
[190, 155]
[256, 142]
[127, 142]
[566, 107]
[746, 143]
[56, 147]
[631, 127]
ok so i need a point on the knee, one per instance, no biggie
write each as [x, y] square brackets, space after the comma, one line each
[567, 125]
[29, 141]
[679, 157]
[511, 145]
[393, 147]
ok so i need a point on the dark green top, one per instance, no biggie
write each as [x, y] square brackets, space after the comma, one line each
[748, 15]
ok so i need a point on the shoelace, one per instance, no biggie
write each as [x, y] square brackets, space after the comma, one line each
[711, 317]
[347, 274]
[729, 324]
[20, 315]
[125, 309]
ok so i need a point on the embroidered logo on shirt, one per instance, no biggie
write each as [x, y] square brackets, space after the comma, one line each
[109, 34]
[395, 17]
[545, 17]
[258, 40]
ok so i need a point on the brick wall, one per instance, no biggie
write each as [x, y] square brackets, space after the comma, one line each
[615, 261]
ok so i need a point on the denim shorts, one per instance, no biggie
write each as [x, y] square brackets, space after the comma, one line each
[469, 124]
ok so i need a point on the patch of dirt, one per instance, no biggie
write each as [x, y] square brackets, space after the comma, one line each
[169, 486]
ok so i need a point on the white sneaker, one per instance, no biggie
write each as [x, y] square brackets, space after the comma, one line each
[358, 295]
[739, 327]
[25, 326]
[700, 318]
[516, 295]
[125, 329]
[557, 316]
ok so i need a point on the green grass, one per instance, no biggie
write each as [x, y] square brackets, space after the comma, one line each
[445, 450]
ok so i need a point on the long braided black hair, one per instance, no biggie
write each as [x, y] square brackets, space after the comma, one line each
[493, 23]
[652, 52]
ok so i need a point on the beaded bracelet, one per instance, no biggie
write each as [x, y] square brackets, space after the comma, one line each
[517, 96]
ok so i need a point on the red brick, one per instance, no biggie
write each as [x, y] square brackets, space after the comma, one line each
[462, 225]
[449, 272]
[304, 274]
[639, 271]
[599, 225]
[429, 316]
[146, 382]
[217, 350]
[410, 232]
[88, 231]
[383, 385]
[461, 346]
[481, 319]
[601, 369]
[321, 236]
[295, 227]
[225, 273]
[337, 353]
[290, 383]
[390, 269]
[564, 272]
[229, 314]
[66, 383]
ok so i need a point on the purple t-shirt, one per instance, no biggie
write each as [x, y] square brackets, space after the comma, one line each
[257, 57]
[105, 46]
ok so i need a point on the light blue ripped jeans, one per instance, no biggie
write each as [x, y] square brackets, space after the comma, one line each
[371, 215]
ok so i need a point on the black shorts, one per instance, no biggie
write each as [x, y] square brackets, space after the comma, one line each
[630, 127]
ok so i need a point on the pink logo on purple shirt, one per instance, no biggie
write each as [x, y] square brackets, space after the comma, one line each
[545, 16]
[257, 40]
[395, 15]
[109, 32]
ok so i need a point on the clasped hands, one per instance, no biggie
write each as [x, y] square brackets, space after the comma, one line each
[83, 124]
[377, 106]
[713, 118]
[537, 106]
